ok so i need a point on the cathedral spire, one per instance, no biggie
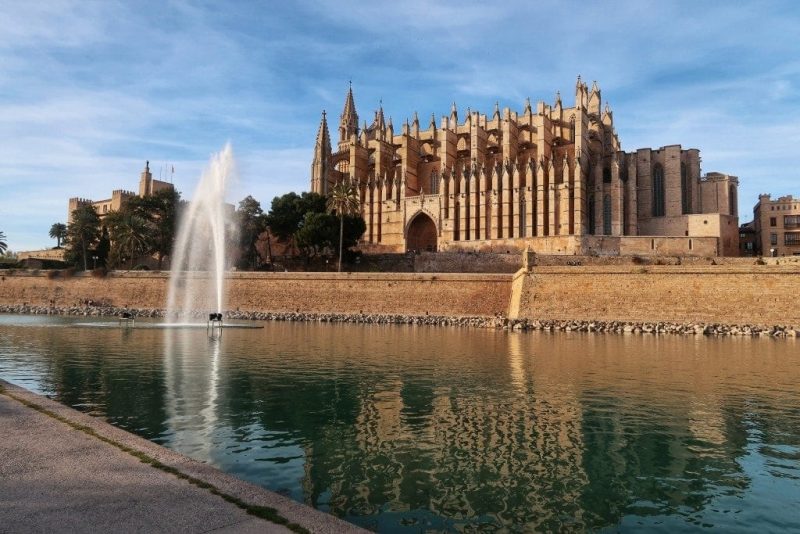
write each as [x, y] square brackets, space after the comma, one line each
[454, 115]
[594, 100]
[380, 120]
[496, 114]
[348, 123]
[322, 151]
[322, 147]
[528, 110]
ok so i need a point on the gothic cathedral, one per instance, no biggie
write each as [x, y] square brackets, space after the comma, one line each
[553, 179]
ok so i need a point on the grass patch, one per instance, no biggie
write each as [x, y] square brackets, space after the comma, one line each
[263, 512]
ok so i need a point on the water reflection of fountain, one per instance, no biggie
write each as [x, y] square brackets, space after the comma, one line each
[198, 263]
[192, 391]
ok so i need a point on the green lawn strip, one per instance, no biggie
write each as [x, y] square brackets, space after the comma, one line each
[264, 512]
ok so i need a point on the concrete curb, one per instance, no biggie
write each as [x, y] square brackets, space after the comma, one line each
[304, 516]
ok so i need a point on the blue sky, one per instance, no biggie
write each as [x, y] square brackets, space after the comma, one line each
[92, 89]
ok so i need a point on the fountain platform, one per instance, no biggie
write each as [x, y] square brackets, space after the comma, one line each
[171, 326]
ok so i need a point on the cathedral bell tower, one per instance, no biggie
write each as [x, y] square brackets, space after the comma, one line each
[348, 122]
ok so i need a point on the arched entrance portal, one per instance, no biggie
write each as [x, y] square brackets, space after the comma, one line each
[421, 234]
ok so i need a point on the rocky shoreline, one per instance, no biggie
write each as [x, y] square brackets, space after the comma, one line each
[497, 322]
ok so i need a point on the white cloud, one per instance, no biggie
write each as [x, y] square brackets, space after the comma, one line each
[92, 89]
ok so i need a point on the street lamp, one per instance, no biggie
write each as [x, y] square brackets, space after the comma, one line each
[95, 261]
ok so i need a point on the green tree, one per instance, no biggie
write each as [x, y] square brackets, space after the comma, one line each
[317, 232]
[321, 231]
[159, 211]
[252, 222]
[82, 233]
[343, 200]
[3, 244]
[103, 247]
[288, 211]
[130, 236]
[58, 232]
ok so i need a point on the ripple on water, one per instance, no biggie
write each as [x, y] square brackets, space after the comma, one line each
[405, 429]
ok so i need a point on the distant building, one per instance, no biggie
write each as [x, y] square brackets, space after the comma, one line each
[46, 254]
[147, 186]
[777, 226]
[747, 239]
[553, 178]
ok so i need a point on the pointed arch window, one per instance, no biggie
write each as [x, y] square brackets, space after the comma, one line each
[607, 215]
[590, 214]
[658, 191]
[686, 192]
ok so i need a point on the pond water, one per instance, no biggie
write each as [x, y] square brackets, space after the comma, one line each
[423, 429]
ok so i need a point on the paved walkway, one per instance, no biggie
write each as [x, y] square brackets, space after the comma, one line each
[56, 478]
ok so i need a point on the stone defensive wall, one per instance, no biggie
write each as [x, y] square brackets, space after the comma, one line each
[397, 293]
[732, 293]
[727, 294]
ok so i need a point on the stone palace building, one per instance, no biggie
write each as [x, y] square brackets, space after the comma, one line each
[147, 186]
[553, 178]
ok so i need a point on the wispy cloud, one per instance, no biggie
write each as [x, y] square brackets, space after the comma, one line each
[93, 89]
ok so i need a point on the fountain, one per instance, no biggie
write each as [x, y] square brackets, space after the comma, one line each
[197, 275]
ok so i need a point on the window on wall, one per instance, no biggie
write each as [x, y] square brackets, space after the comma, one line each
[686, 192]
[773, 239]
[607, 215]
[606, 175]
[590, 214]
[658, 191]
[733, 208]
[434, 188]
[773, 221]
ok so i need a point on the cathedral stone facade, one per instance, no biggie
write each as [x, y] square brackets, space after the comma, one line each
[553, 179]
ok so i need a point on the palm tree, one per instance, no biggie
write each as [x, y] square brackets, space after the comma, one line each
[84, 230]
[58, 232]
[343, 200]
[133, 236]
[3, 244]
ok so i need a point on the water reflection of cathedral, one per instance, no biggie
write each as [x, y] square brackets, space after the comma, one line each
[544, 431]
[535, 448]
